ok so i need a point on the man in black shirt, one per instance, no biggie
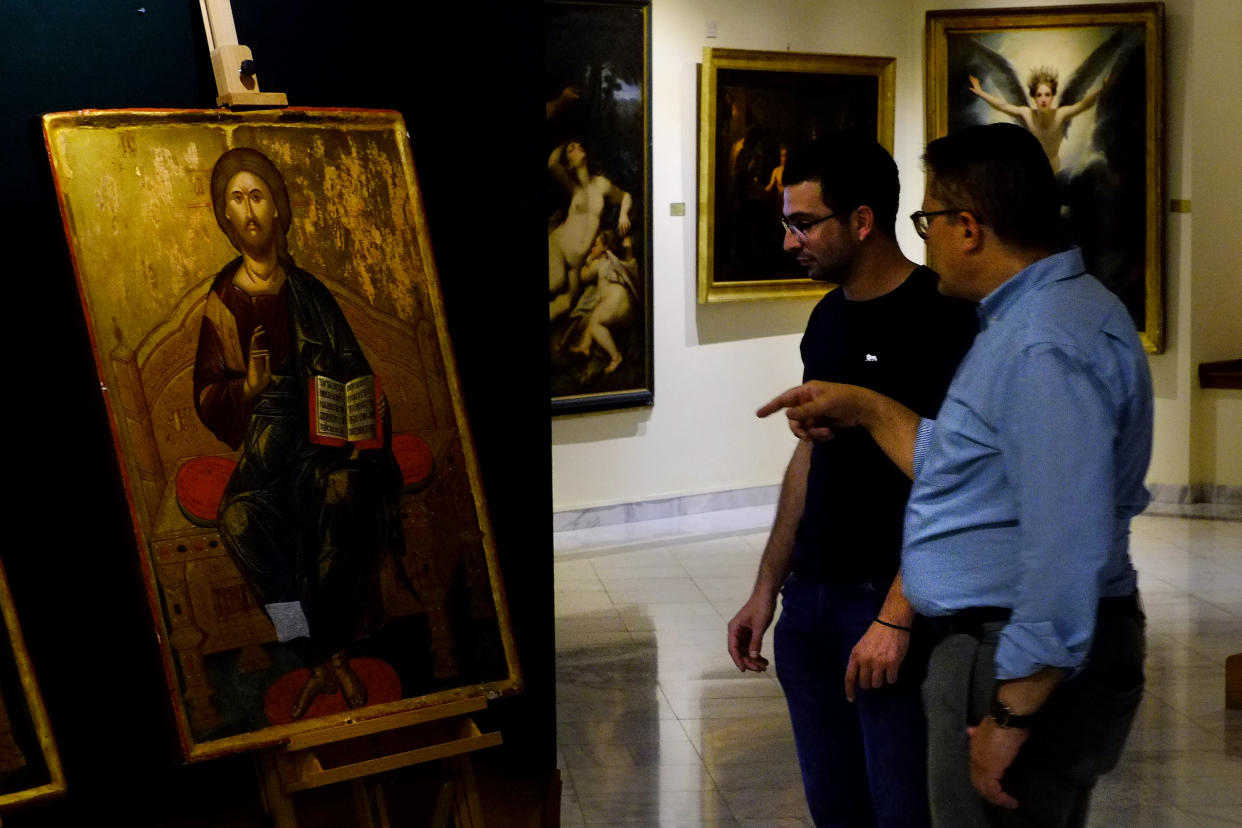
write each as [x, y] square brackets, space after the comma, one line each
[847, 646]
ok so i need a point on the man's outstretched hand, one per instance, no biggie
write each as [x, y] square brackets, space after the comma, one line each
[815, 408]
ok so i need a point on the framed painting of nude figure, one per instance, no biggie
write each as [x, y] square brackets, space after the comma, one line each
[1088, 81]
[597, 198]
[271, 345]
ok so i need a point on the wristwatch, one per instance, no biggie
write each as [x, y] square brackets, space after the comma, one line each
[1004, 717]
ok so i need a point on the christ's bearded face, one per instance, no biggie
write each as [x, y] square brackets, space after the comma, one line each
[251, 212]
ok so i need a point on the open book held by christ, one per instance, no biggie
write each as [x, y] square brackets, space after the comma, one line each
[345, 412]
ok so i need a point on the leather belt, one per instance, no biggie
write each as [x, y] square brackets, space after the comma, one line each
[970, 621]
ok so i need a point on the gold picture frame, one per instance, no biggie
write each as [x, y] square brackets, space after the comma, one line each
[30, 768]
[342, 579]
[753, 106]
[1107, 63]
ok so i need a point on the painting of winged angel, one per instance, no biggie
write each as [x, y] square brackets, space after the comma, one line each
[1081, 92]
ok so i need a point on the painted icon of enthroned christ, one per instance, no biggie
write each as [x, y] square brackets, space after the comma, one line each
[307, 521]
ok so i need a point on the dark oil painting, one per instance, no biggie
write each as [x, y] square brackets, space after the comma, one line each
[597, 200]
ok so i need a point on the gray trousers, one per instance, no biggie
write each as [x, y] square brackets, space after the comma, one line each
[1078, 736]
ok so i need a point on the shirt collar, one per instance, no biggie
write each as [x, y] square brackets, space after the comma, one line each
[1050, 269]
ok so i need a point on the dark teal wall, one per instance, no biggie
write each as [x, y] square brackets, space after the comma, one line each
[466, 78]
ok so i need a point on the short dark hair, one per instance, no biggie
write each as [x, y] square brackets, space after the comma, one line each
[853, 170]
[1000, 173]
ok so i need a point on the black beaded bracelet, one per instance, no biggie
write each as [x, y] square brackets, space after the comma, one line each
[879, 620]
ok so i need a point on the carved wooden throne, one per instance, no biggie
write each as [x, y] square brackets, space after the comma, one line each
[206, 604]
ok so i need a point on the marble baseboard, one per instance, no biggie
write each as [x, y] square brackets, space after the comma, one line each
[1200, 500]
[1197, 501]
[667, 507]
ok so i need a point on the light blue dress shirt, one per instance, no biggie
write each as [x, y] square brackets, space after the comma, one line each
[1026, 482]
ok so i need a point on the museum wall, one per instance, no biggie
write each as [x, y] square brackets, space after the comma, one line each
[715, 364]
[1216, 237]
[70, 553]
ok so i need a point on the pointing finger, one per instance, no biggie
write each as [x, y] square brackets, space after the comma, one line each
[786, 399]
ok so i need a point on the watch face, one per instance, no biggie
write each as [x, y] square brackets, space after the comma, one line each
[1005, 717]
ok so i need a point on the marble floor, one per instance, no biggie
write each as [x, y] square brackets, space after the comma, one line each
[657, 727]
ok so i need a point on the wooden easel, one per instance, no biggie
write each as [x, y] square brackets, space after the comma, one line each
[237, 82]
[358, 751]
[354, 752]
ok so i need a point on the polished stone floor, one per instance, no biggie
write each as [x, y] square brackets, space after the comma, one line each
[657, 727]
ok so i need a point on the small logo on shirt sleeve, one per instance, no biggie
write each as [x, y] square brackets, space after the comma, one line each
[871, 358]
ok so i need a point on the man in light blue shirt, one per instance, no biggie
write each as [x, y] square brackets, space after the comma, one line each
[1017, 528]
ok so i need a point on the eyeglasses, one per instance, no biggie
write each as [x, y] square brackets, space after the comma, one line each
[799, 228]
[922, 218]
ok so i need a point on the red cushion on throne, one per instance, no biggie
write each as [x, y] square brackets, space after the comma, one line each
[200, 485]
[415, 459]
[201, 480]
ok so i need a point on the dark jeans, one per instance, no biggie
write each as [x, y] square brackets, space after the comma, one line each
[863, 763]
[1078, 736]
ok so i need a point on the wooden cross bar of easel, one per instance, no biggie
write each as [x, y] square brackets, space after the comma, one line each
[358, 751]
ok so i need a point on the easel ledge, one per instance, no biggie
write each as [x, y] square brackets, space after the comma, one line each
[360, 750]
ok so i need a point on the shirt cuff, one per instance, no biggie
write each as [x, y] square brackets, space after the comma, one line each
[922, 440]
[1025, 648]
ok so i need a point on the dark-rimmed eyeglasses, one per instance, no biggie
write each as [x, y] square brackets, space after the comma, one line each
[799, 228]
[922, 218]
